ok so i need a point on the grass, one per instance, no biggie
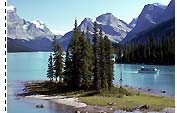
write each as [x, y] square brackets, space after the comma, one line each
[131, 102]
[122, 98]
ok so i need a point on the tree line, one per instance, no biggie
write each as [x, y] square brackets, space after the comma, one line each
[86, 65]
[152, 52]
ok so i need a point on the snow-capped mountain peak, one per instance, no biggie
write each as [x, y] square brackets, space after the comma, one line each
[39, 24]
[11, 8]
[160, 5]
[22, 29]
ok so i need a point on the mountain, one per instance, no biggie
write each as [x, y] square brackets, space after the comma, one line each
[156, 32]
[114, 28]
[132, 24]
[110, 20]
[169, 11]
[21, 29]
[14, 46]
[32, 34]
[151, 15]
[36, 36]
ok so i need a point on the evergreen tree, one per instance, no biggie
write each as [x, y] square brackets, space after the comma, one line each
[75, 54]
[68, 68]
[50, 72]
[102, 61]
[87, 63]
[96, 70]
[152, 52]
[109, 62]
[58, 60]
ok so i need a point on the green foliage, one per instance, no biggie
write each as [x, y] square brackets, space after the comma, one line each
[75, 56]
[58, 60]
[96, 49]
[109, 62]
[114, 92]
[153, 52]
[68, 68]
[102, 62]
[50, 71]
[86, 66]
[87, 63]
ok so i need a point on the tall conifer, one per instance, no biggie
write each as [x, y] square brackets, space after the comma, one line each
[68, 68]
[75, 54]
[87, 63]
[58, 60]
[96, 70]
[102, 61]
[109, 62]
[50, 72]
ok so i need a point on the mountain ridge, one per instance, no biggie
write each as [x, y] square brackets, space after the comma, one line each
[36, 36]
[150, 16]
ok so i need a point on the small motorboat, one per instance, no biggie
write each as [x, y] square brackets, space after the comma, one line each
[148, 70]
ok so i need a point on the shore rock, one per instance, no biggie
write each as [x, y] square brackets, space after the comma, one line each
[169, 110]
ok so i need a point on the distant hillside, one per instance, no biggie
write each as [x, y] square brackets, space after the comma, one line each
[158, 32]
[13, 46]
[151, 16]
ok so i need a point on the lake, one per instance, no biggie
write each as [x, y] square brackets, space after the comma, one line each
[33, 66]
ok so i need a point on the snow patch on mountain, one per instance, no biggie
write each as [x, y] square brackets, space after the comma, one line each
[133, 22]
[11, 8]
[39, 24]
[18, 28]
[160, 5]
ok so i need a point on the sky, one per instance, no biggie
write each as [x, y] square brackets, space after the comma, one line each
[59, 15]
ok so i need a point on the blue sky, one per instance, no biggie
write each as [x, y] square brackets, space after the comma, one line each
[59, 15]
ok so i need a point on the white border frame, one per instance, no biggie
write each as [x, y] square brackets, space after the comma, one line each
[3, 56]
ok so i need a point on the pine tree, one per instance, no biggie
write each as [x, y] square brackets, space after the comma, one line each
[109, 62]
[50, 71]
[58, 60]
[87, 62]
[96, 70]
[102, 65]
[68, 68]
[75, 54]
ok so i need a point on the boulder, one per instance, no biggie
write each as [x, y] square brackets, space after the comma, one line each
[40, 106]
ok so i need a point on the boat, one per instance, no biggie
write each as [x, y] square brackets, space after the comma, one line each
[148, 70]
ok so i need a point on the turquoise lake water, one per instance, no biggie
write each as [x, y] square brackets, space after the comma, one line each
[33, 66]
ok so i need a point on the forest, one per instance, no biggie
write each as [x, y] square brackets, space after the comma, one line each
[152, 52]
